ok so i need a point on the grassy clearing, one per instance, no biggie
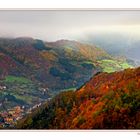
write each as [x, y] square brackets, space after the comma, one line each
[125, 65]
[113, 65]
[12, 79]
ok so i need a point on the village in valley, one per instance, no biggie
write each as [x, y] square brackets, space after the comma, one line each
[10, 116]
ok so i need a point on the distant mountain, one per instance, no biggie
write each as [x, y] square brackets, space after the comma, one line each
[116, 44]
[58, 65]
[133, 52]
[107, 101]
[33, 70]
[78, 50]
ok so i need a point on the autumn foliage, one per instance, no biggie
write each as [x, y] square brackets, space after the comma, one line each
[107, 101]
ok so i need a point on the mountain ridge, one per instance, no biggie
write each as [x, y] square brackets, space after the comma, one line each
[49, 69]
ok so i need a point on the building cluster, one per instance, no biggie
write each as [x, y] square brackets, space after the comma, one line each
[3, 87]
[8, 118]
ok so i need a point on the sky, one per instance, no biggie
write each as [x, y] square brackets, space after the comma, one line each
[54, 25]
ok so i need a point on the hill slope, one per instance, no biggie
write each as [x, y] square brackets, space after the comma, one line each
[32, 71]
[46, 63]
[107, 101]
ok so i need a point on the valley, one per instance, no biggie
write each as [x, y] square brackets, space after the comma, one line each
[33, 71]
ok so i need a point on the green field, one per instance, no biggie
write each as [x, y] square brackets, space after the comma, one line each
[21, 80]
[109, 66]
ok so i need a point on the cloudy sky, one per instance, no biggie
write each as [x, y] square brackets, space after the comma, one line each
[53, 25]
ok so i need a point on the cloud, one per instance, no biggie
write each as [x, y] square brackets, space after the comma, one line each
[53, 25]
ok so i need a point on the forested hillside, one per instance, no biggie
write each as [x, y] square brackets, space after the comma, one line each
[107, 101]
